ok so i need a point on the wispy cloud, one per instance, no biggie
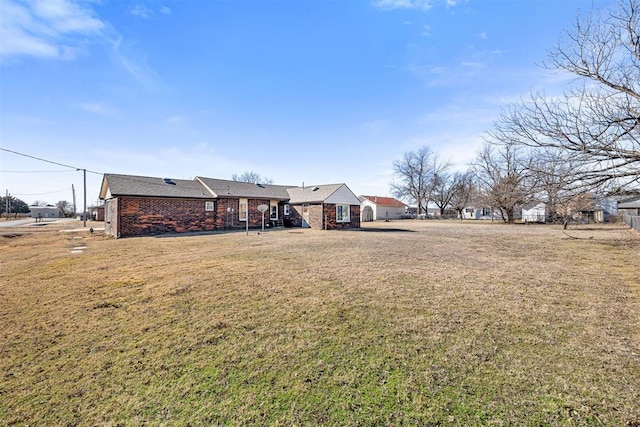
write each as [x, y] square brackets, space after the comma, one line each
[46, 28]
[135, 63]
[141, 11]
[98, 108]
[402, 4]
[144, 12]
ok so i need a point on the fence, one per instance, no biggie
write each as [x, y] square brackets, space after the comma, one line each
[633, 221]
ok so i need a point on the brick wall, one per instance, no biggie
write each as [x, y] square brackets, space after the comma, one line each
[330, 214]
[140, 216]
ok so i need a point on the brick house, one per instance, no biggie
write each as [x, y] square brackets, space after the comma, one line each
[137, 205]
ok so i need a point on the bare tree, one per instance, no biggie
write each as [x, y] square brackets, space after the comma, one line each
[64, 208]
[597, 122]
[463, 191]
[252, 177]
[502, 173]
[554, 172]
[415, 172]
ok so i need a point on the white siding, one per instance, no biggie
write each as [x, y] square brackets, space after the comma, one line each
[343, 196]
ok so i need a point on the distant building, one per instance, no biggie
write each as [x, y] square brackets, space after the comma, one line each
[48, 211]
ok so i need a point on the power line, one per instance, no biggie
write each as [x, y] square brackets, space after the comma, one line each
[57, 171]
[41, 194]
[49, 161]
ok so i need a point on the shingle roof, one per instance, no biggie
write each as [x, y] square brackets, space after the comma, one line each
[223, 188]
[130, 185]
[312, 193]
[385, 201]
[207, 188]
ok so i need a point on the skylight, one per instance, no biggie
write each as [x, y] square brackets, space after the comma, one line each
[168, 181]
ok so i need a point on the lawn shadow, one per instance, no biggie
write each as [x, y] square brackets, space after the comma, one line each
[386, 230]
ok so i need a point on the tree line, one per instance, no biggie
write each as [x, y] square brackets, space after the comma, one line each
[14, 205]
[560, 150]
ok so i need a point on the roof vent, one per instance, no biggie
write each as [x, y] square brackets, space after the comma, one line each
[315, 188]
[168, 181]
[260, 185]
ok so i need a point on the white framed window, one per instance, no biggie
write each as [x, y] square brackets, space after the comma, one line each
[273, 210]
[286, 210]
[209, 206]
[242, 209]
[342, 213]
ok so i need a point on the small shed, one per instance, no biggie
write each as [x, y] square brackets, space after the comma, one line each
[375, 208]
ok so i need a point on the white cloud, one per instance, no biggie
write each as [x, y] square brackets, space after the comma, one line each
[402, 4]
[426, 31]
[483, 35]
[141, 11]
[165, 10]
[46, 28]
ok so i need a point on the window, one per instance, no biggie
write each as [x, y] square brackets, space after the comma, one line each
[208, 206]
[273, 212]
[342, 213]
[242, 211]
[286, 210]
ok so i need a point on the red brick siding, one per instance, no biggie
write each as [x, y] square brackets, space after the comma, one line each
[330, 215]
[147, 216]
[318, 213]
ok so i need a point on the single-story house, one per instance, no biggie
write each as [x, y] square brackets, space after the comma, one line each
[629, 206]
[534, 213]
[373, 208]
[472, 212]
[48, 211]
[138, 205]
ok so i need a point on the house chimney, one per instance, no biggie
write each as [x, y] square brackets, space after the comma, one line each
[303, 185]
[375, 199]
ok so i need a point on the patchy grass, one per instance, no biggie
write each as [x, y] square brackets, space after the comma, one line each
[452, 323]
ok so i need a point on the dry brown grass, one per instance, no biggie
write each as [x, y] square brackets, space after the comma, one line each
[411, 323]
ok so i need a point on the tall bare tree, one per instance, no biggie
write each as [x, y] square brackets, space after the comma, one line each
[596, 121]
[419, 173]
[412, 172]
[502, 173]
[463, 191]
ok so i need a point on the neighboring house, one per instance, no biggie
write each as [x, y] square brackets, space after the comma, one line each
[534, 213]
[472, 212]
[374, 208]
[630, 206]
[48, 211]
[136, 206]
[96, 213]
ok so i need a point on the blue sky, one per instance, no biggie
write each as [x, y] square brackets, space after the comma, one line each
[299, 91]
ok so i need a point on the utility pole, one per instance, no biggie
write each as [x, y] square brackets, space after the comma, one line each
[84, 214]
[6, 205]
[73, 191]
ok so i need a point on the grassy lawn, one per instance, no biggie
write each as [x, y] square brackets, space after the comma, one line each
[412, 323]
